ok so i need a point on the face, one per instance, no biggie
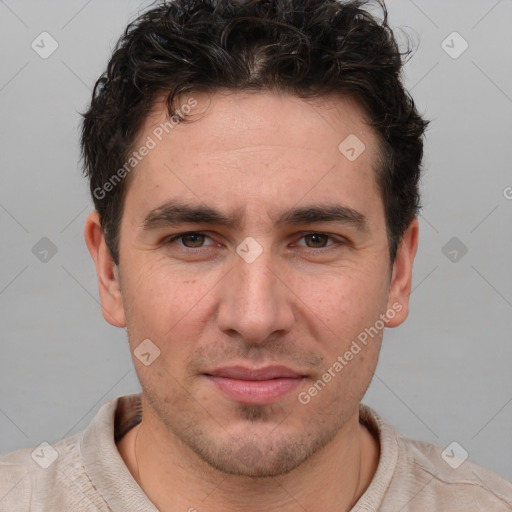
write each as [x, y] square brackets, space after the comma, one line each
[254, 257]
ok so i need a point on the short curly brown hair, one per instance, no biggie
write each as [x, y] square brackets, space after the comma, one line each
[310, 48]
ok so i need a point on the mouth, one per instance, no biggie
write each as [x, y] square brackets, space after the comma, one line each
[255, 386]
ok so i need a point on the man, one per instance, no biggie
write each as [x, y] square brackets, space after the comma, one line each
[254, 167]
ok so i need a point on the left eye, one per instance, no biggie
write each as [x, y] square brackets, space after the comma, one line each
[318, 240]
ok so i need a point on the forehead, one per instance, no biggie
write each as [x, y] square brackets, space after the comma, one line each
[242, 149]
[228, 119]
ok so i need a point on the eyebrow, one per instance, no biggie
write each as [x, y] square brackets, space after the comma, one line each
[174, 213]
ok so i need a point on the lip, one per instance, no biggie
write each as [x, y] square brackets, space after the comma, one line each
[251, 374]
[255, 385]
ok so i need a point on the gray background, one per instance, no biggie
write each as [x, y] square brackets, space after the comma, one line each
[443, 376]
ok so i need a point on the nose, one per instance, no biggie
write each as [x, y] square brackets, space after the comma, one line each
[255, 302]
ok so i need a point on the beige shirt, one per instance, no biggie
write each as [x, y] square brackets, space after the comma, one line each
[85, 473]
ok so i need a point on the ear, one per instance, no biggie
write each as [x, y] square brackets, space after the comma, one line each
[401, 278]
[107, 271]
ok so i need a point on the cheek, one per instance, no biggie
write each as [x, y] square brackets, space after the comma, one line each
[346, 301]
[163, 304]
[349, 369]
[150, 295]
[156, 290]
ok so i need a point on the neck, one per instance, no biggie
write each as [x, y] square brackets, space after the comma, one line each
[175, 478]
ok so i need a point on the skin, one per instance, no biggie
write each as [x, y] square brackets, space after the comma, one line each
[299, 304]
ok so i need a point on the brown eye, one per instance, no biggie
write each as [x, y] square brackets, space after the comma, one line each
[318, 240]
[193, 240]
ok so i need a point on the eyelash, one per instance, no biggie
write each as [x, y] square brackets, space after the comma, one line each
[337, 241]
